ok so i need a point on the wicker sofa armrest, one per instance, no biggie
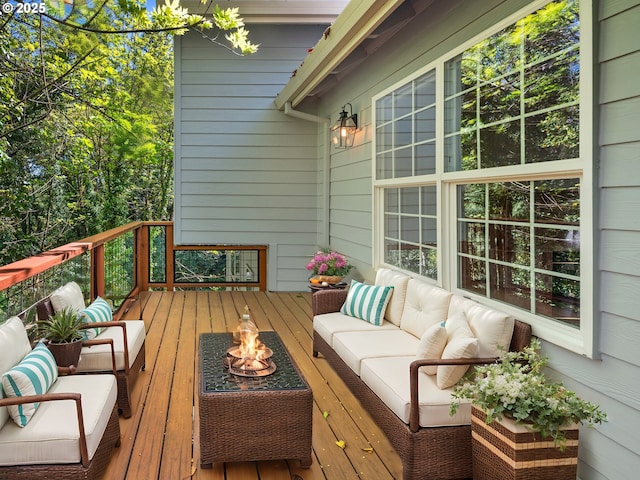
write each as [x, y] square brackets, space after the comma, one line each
[113, 324]
[328, 301]
[414, 368]
[52, 397]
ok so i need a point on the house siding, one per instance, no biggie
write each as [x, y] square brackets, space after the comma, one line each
[612, 380]
[245, 172]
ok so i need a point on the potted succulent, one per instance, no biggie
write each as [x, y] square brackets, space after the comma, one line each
[62, 334]
[328, 267]
[512, 399]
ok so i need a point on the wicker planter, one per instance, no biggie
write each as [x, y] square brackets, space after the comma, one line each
[506, 450]
[66, 354]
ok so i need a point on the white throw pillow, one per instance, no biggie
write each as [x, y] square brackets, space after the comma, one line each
[431, 346]
[461, 343]
[387, 277]
[68, 296]
[367, 302]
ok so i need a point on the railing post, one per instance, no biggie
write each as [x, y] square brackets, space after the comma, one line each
[142, 257]
[169, 257]
[97, 268]
[262, 266]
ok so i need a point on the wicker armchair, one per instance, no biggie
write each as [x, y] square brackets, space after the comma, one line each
[122, 343]
[72, 432]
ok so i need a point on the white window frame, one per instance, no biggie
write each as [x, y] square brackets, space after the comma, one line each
[580, 340]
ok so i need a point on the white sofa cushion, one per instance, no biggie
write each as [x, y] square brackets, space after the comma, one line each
[33, 375]
[52, 434]
[425, 305]
[431, 346]
[353, 347]
[329, 323]
[461, 343]
[97, 358]
[14, 345]
[389, 379]
[367, 302]
[492, 328]
[398, 281]
[67, 296]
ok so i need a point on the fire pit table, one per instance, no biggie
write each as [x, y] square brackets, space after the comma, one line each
[245, 418]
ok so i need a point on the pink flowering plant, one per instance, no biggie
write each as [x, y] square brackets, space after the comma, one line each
[327, 262]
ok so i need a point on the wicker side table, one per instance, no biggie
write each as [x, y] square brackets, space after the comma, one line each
[247, 418]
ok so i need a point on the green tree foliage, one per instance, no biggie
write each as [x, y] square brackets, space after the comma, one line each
[86, 116]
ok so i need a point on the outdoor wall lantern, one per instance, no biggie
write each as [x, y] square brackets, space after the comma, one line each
[343, 131]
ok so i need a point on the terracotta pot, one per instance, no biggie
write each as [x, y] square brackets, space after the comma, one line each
[66, 354]
[507, 450]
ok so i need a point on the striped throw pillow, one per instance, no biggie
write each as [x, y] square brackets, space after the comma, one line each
[98, 311]
[35, 373]
[367, 302]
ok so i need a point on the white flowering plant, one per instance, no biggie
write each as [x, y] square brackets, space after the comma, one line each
[516, 387]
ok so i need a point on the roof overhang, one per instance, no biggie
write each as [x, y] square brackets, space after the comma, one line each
[275, 11]
[361, 28]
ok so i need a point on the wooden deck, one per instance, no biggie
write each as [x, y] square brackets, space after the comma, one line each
[160, 440]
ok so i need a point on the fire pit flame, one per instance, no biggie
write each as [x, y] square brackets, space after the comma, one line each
[251, 357]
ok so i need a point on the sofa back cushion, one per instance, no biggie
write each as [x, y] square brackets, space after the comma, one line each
[68, 296]
[492, 328]
[14, 345]
[425, 305]
[386, 277]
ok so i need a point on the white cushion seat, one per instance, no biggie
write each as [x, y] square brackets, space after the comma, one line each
[353, 347]
[97, 358]
[52, 435]
[331, 323]
[383, 376]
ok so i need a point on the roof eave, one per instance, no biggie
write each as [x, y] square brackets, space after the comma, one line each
[356, 22]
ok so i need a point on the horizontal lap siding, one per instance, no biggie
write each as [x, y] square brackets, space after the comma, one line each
[245, 172]
[613, 381]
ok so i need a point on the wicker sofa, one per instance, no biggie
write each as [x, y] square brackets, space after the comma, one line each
[107, 349]
[73, 430]
[384, 367]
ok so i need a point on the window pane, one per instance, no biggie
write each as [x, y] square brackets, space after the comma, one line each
[425, 127]
[471, 238]
[500, 99]
[402, 133]
[553, 32]
[472, 200]
[510, 244]
[410, 198]
[402, 101]
[425, 90]
[404, 163]
[384, 165]
[500, 145]
[558, 298]
[553, 135]
[429, 200]
[409, 229]
[557, 201]
[510, 285]
[472, 275]
[425, 158]
[558, 250]
[429, 266]
[384, 137]
[509, 201]
[383, 109]
[429, 231]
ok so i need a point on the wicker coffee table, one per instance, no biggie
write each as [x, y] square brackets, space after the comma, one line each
[252, 418]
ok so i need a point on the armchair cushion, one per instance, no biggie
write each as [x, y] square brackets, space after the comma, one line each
[98, 311]
[97, 358]
[52, 435]
[67, 296]
[34, 375]
[367, 302]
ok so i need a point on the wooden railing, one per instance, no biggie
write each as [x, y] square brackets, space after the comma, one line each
[127, 260]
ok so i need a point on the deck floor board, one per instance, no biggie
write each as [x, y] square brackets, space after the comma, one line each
[160, 440]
